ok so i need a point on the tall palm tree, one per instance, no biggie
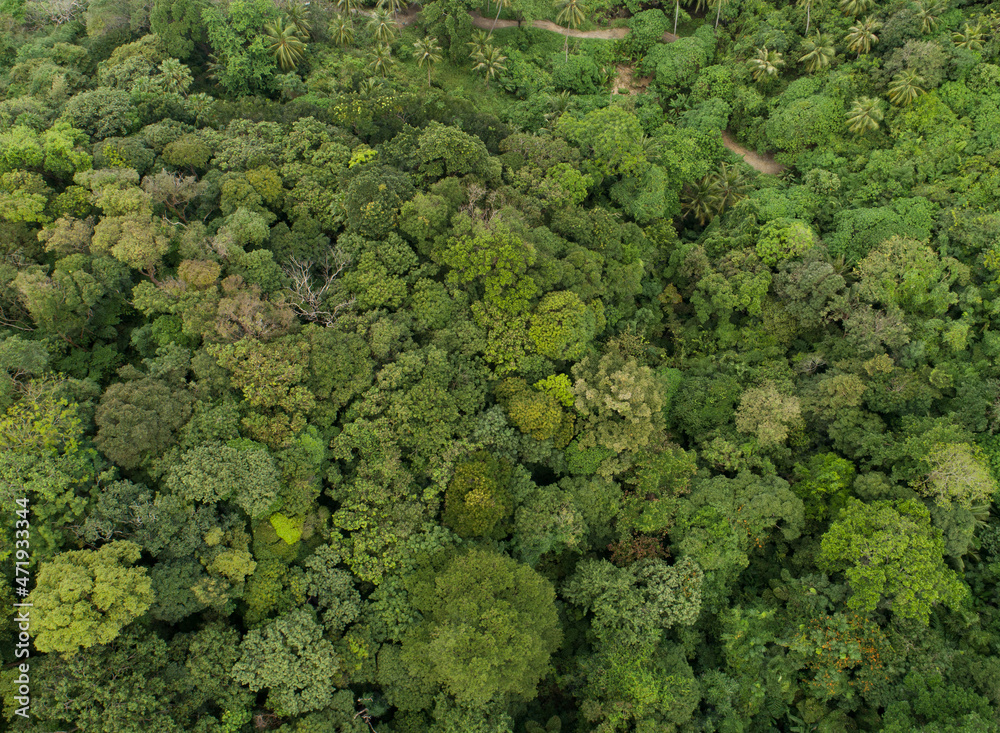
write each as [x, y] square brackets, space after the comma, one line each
[341, 30]
[819, 52]
[928, 13]
[718, 9]
[765, 64]
[383, 26]
[383, 60]
[856, 7]
[570, 14]
[394, 5]
[699, 5]
[296, 17]
[490, 61]
[865, 115]
[677, 12]
[348, 8]
[428, 52]
[285, 44]
[861, 37]
[501, 4]
[905, 88]
[480, 40]
[808, 5]
[970, 37]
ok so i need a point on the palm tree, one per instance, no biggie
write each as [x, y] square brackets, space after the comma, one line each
[864, 115]
[905, 87]
[730, 185]
[296, 16]
[570, 14]
[677, 12]
[819, 52]
[699, 5]
[713, 193]
[383, 26]
[970, 37]
[394, 5]
[480, 40]
[341, 30]
[348, 8]
[174, 77]
[428, 52]
[501, 4]
[856, 7]
[808, 5]
[718, 10]
[383, 60]
[286, 46]
[765, 64]
[928, 14]
[369, 86]
[861, 37]
[490, 61]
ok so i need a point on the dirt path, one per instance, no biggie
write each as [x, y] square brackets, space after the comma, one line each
[763, 163]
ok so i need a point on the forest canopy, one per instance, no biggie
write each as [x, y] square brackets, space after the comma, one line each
[500, 367]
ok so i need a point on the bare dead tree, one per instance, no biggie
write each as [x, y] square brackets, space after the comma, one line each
[315, 285]
[364, 714]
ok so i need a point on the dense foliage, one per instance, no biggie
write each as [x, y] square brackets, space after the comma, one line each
[375, 370]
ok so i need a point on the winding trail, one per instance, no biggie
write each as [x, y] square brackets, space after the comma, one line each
[763, 163]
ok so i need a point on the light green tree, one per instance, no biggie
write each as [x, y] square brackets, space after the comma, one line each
[84, 597]
[489, 628]
[856, 7]
[342, 30]
[970, 37]
[891, 554]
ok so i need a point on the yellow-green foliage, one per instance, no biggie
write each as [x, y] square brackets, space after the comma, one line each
[478, 498]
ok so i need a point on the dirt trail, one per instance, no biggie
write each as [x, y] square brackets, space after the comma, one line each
[763, 163]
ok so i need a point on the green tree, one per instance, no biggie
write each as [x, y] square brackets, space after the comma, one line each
[429, 53]
[489, 61]
[138, 420]
[864, 116]
[570, 14]
[285, 44]
[856, 7]
[245, 63]
[765, 64]
[818, 52]
[290, 658]
[928, 13]
[383, 60]
[86, 597]
[960, 473]
[890, 552]
[767, 414]
[718, 10]
[342, 30]
[970, 37]
[212, 473]
[861, 37]
[808, 5]
[905, 88]
[478, 498]
[382, 26]
[489, 628]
